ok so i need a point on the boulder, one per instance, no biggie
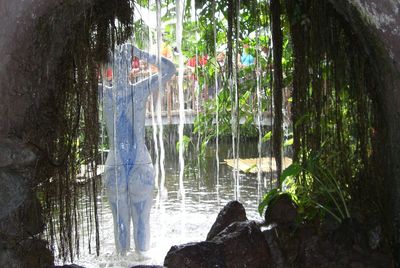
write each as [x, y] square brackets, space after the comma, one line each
[147, 266]
[70, 266]
[232, 212]
[196, 255]
[29, 253]
[241, 244]
[13, 191]
[281, 210]
[244, 245]
[309, 246]
[277, 254]
[15, 153]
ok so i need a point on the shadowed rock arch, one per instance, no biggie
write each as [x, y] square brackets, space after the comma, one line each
[49, 51]
[377, 25]
[31, 68]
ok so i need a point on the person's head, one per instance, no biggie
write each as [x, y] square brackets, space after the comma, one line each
[109, 74]
[135, 63]
[246, 48]
[221, 56]
[143, 64]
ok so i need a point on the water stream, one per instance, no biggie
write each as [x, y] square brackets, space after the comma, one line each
[160, 95]
[179, 30]
[216, 85]
[170, 225]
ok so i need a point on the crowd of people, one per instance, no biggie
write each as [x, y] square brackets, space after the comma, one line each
[194, 67]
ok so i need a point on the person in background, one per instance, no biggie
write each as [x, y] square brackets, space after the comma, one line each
[246, 59]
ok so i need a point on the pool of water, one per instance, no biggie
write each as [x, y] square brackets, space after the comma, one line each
[177, 219]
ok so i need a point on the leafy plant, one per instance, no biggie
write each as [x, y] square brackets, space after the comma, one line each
[308, 185]
[186, 140]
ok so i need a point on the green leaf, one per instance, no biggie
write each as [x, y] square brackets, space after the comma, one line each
[267, 199]
[185, 142]
[267, 136]
[291, 171]
[288, 142]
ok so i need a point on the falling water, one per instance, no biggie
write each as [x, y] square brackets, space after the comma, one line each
[153, 119]
[216, 97]
[236, 117]
[259, 114]
[193, 10]
[159, 100]
[101, 116]
[270, 56]
[114, 103]
[179, 30]
[196, 84]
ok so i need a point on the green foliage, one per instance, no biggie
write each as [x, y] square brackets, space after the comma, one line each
[267, 199]
[186, 140]
[309, 186]
[267, 136]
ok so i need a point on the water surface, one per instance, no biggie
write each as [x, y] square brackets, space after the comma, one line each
[176, 219]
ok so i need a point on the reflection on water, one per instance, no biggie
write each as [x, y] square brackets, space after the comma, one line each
[174, 221]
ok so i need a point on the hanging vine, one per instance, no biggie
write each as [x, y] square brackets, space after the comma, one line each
[92, 32]
[333, 113]
[277, 40]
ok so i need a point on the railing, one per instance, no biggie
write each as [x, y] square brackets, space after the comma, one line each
[193, 101]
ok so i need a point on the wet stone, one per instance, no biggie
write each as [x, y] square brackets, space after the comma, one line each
[30, 253]
[277, 254]
[15, 154]
[232, 212]
[70, 266]
[147, 266]
[281, 210]
[196, 255]
[13, 191]
[244, 246]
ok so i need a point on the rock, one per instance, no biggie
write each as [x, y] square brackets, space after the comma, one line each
[329, 224]
[13, 191]
[232, 242]
[30, 253]
[196, 255]
[281, 210]
[15, 153]
[232, 212]
[346, 246]
[350, 233]
[147, 266]
[70, 266]
[9, 259]
[20, 210]
[31, 216]
[375, 237]
[277, 254]
[244, 245]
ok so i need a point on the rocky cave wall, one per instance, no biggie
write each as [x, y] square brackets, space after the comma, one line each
[377, 25]
[27, 84]
[28, 63]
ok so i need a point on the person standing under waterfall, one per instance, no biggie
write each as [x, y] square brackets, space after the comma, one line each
[129, 173]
